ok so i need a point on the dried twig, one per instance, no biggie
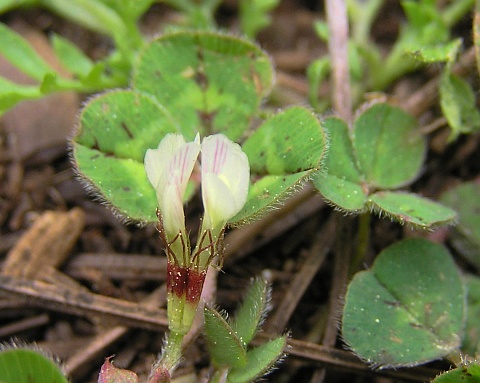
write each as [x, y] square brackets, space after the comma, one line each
[104, 339]
[244, 240]
[302, 280]
[125, 313]
[46, 244]
[23, 325]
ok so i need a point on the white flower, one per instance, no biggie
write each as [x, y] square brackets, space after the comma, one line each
[169, 168]
[225, 180]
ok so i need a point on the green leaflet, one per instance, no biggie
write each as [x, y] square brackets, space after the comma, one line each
[399, 313]
[224, 346]
[458, 104]
[214, 82]
[411, 209]
[389, 148]
[23, 365]
[465, 236]
[117, 129]
[22, 55]
[259, 361]
[252, 311]
[71, 57]
[227, 340]
[342, 181]
[469, 373]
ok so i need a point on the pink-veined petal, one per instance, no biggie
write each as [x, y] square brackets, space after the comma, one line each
[171, 208]
[225, 179]
[156, 160]
[218, 201]
[168, 169]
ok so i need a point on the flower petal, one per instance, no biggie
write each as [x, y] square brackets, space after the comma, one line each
[225, 179]
[156, 159]
[218, 200]
[168, 169]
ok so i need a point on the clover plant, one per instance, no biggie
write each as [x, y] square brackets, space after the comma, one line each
[382, 152]
[193, 94]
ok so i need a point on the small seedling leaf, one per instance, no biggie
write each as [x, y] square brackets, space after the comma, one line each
[390, 150]
[411, 209]
[20, 53]
[437, 53]
[317, 71]
[469, 373]
[215, 82]
[22, 365]
[71, 57]
[224, 346]
[466, 235]
[341, 182]
[259, 361]
[252, 311]
[458, 104]
[6, 5]
[11, 93]
[116, 129]
[408, 309]
[129, 10]
[254, 15]
[425, 23]
[92, 14]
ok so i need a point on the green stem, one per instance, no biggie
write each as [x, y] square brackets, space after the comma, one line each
[64, 84]
[220, 376]
[173, 350]
[363, 240]
[90, 13]
[200, 14]
[128, 41]
[363, 15]
[456, 10]
[163, 369]
[396, 65]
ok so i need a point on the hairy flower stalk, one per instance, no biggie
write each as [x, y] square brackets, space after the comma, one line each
[225, 177]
